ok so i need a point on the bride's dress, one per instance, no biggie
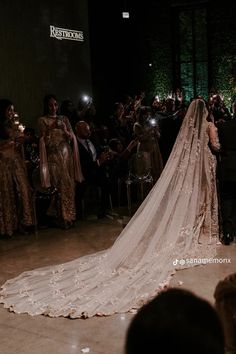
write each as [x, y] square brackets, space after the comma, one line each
[177, 220]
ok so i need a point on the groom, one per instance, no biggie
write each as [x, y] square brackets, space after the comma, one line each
[227, 179]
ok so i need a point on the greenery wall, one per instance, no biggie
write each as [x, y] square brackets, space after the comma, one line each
[143, 52]
[222, 36]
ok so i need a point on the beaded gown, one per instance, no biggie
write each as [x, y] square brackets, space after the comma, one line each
[58, 166]
[15, 191]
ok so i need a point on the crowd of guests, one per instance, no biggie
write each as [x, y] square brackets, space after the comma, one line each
[70, 153]
[73, 150]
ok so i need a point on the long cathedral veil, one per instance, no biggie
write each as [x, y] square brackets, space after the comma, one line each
[176, 223]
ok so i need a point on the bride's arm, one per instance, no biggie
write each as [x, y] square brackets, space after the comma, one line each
[213, 137]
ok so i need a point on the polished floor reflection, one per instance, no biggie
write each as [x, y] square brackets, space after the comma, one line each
[23, 334]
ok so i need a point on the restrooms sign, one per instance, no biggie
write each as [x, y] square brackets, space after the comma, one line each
[65, 33]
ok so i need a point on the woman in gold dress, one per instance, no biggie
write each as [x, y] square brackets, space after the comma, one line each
[59, 162]
[16, 211]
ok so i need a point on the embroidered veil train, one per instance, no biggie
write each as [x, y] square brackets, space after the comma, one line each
[177, 220]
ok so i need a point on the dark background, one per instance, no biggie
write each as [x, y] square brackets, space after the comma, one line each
[116, 54]
[32, 64]
[122, 49]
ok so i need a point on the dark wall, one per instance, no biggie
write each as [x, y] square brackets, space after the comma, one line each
[123, 49]
[117, 61]
[32, 64]
[128, 53]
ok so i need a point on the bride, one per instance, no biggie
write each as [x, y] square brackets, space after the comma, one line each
[177, 221]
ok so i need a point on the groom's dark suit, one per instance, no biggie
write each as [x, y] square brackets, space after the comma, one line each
[227, 178]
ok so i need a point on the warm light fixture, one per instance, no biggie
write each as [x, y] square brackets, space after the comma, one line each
[125, 14]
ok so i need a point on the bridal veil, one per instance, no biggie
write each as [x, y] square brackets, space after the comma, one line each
[178, 221]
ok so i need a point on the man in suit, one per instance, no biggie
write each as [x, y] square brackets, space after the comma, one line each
[93, 163]
[227, 179]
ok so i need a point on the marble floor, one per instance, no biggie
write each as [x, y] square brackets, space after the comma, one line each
[23, 334]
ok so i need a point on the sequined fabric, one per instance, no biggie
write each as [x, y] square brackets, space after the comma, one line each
[60, 167]
[15, 193]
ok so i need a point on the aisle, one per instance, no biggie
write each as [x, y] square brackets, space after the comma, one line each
[23, 334]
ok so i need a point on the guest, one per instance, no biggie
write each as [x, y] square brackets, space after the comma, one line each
[59, 164]
[227, 179]
[127, 102]
[15, 207]
[31, 143]
[138, 100]
[218, 109]
[155, 105]
[147, 132]
[225, 301]
[93, 164]
[86, 110]
[118, 125]
[169, 124]
[119, 166]
[233, 108]
[175, 321]
[31, 150]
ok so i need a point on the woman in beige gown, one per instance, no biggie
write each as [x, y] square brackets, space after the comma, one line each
[15, 191]
[177, 222]
[59, 162]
